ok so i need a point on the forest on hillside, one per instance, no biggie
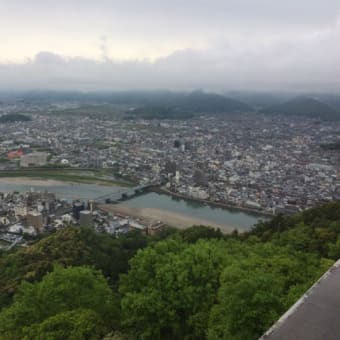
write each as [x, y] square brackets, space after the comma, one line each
[14, 117]
[190, 284]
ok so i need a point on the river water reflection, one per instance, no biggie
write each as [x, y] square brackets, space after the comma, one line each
[237, 219]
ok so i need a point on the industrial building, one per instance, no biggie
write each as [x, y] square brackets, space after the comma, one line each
[33, 159]
[36, 220]
[85, 219]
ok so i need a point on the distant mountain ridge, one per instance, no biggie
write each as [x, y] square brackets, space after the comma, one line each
[304, 106]
[199, 101]
[180, 105]
[314, 105]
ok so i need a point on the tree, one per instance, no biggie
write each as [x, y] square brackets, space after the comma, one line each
[334, 250]
[249, 302]
[170, 289]
[79, 324]
[258, 286]
[63, 290]
[195, 233]
[67, 247]
[192, 284]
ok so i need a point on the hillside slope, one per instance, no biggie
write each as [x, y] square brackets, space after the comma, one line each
[306, 107]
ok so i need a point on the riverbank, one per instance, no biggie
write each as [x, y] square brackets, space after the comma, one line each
[255, 212]
[30, 181]
[153, 215]
[53, 181]
[62, 175]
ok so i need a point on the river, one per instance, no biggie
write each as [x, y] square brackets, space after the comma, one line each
[67, 190]
[161, 206]
[216, 215]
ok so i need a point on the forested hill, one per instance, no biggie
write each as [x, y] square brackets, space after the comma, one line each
[306, 107]
[200, 101]
[183, 106]
[315, 231]
[14, 117]
[191, 284]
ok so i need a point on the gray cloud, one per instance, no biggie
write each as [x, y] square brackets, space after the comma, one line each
[224, 44]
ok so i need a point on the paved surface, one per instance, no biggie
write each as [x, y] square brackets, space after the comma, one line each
[316, 316]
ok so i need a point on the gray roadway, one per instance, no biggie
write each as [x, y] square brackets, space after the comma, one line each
[316, 316]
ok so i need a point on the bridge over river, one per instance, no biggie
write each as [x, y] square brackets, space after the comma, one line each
[122, 194]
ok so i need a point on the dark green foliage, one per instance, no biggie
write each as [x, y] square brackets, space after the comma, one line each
[249, 300]
[190, 284]
[258, 287]
[111, 255]
[164, 233]
[314, 230]
[79, 324]
[67, 247]
[331, 146]
[170, 288]
[77, 298]
[195, 233]
[14, 117]
[215, 288]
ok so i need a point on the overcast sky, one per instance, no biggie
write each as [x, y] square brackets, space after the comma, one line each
[175, 44]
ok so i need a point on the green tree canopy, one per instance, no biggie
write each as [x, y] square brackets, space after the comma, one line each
[79, 324]
[67, 247]
[216, 288]
[170, 288]
[314, 230]
[63, 290]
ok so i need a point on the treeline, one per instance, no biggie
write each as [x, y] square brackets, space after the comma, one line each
[14, 117]
[314, 231]
[331, 146]
[191, 284]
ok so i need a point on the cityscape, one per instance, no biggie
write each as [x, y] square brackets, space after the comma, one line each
[252, 162]
[170, 170]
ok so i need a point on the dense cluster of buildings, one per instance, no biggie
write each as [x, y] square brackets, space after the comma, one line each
[271, 163]
[25, 215]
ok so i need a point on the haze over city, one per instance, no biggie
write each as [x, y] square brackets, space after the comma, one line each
[170, 170]
[215, 45]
